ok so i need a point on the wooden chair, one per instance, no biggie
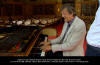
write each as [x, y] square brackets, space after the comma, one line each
[51, 32]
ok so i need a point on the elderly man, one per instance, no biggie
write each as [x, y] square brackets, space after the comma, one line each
[71, 40]
[93, 36]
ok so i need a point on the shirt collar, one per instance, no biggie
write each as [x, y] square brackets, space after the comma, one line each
[71, 21]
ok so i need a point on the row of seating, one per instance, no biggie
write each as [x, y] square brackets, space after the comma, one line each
[43, 21]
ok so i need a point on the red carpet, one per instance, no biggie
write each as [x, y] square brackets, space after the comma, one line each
[84, 46]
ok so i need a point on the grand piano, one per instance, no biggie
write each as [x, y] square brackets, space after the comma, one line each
[24, 39]
[20, 41]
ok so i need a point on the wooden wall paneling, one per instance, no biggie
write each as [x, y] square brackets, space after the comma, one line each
[78, 8]
[86, 10]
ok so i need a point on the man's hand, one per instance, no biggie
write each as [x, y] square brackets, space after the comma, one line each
[46, 48]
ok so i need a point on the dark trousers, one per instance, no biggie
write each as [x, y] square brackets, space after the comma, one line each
[92, 51]
[56, 54]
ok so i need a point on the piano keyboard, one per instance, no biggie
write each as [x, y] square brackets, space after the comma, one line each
[43, 53]
[36, 51]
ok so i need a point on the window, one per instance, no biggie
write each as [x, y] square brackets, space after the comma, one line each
[89, 9]
[0, 11]
[18, 10]
[43, 9]
[9, 10]
[49, 9]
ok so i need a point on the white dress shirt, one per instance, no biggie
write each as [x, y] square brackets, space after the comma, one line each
[93, 36]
